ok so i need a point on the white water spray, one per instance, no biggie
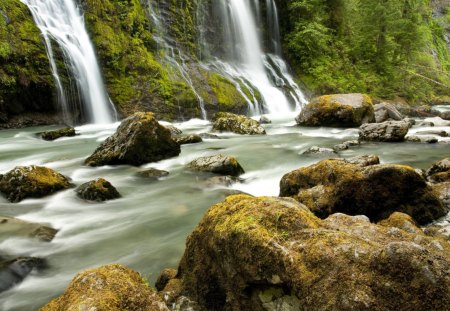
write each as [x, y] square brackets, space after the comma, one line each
[62, 21]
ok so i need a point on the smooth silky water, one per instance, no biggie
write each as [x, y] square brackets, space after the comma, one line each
[146, 229]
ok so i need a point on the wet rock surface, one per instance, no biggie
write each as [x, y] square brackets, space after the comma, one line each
[97, 190]
[152, 173]
[187, 139]
[341, 110]
[439, 171]
[10, 226]
[239, 124]
[139, 139]
[261, 253]
[112, 287]
[218, 164]
[336, 185]
[385, 112]
[14, 271]
[52, 135]
[389, 131]
[31, 182]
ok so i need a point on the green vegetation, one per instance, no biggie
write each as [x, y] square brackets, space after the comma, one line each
[384, 48]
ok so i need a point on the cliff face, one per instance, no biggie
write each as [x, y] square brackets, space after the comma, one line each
[26, 83]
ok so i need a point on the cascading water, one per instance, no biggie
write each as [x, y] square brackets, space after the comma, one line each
[62, 21]
[244, 61]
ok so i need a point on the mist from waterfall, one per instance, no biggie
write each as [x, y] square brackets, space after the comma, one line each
[61, 21]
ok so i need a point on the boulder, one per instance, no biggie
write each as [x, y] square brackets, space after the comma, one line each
[364, 160]
[439, 171]
[422, 139]
[445, 115]
[337, 186]
[65, 132]
[188, 139]
[108, 288]
[14, 271]
[152, 173]
[267, 253]
[346, 145]
[173, 130]
[402, 221]
[239, 124]
[139, 139]
[389, 131]
[31, 182]
[319, 151]
[10, 226]
[264, 120]
[385, 112]
[97, 190]
[437, 133]
[218, 164]
[341, 110]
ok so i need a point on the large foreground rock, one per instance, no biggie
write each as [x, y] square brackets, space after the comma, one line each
[139, 139]
[13, 227]
[218, 164]
[108, 288]
[267, 253]
[389, 131]
[239, 124]
[336, 185]
[31, 182]
[342, 110]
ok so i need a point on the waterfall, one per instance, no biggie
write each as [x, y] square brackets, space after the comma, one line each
[62, 22]
[241, 56]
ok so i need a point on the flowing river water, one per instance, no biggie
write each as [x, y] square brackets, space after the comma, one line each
[146, 228]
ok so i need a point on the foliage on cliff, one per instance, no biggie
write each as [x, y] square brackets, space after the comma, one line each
[385, 48]
[25, 79]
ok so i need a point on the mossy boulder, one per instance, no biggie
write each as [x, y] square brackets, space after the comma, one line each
[31, 182]
[108, 288]
[268, 253]
[239, 124]
[335, 185]
[65, 132]
[218, 164]
[388, 131]
[15, 270]
[13, 227]
[97, 190]
[439, 171]
[139, 139]
[152, 173]
[341, 110]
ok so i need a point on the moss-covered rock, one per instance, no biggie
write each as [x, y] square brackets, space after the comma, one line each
[31, 182]
[218, 164]
[152, 173]
[402, 221]
[97, 190]
[65, 132]
[388, 131]
[26, 82]
[335, 185]
[139, 139]
[342, 110]
[439, 171]
[252, 253]
[10, 226]
[188, 139]
[108, 288]
[239, 124]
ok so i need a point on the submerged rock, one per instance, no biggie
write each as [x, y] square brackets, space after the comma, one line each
[31, 182]
[239, 124]
[14, 271]
[267, 253]
[152, 173]
[342, 110]
[422, 139]
[97, 190]
[209, 136]
[10, 226]
[264, 120]
[389, 131]
[218, 164]
[188, 139]
[319, 151]
[139, 139]
[338, 186]
[65, 132]
[111, 287]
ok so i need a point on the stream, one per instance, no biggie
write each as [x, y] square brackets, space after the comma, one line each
[146, 228]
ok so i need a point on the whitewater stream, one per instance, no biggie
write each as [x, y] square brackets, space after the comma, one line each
[146, 228]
